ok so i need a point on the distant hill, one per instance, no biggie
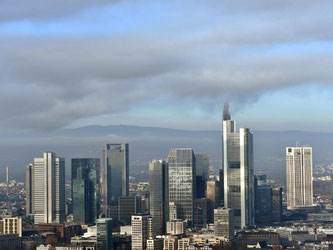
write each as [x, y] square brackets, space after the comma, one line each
[147, 143]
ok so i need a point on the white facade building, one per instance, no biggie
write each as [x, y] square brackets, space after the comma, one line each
[141, 231]
[299, 177]
[49, 189]
[223, 223]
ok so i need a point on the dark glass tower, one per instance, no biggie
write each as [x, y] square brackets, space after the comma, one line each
[115, 177]
[85, 190]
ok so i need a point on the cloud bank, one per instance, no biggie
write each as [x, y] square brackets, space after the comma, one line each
[228, 51]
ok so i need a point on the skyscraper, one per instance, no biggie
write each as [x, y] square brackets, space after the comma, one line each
[49, 189]
[159, 195]
[277, 204]
[85, 190]
[182, 181]
[238, 165]
[104, 234]
[263, 200]
[201, 170]
[29, 187]
[299, 177]
[116, 167]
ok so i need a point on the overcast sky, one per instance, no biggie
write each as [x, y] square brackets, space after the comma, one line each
[166, 63]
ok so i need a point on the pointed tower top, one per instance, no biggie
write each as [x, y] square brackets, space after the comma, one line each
[226, 112]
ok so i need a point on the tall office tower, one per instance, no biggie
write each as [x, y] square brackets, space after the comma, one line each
[159, 195]
[128, 206]
[221, 180]
[182, 181]
[49, 189]
[277, 204]
[200, 213]
[238, 168]
[104, 234]
[299, 177]
[85, 190]
[263, 200]
[29, 184]
[116, 167]
[155, 244]
[331, 187]
[213, 198]
[201, 171]
[224, 223]
[7, 181]
[141, 231]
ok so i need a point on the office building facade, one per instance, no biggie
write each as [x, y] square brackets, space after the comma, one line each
[141, 231]
[49, 189]
[29, 188]
[128, 206]
[277, 204]
[238, 165]
[182, 182]
[224, 223]
[299, 177]
[11, 225]
[159, 195]
[85, 190]
[115, 177]
[104, 234]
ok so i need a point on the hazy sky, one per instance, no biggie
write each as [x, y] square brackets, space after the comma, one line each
[166, 63]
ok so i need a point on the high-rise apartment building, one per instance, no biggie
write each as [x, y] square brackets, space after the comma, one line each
[299, 177]
[141, 231]
[182, 181]
[29, 188]
[238, 165]
[85, 190]
[104, 234]
[116, 167]
[49, 189]
[159, 195]
[224, 223]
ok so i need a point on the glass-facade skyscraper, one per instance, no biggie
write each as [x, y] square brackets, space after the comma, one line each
[159, 195]
[238, 165]
[182, 181]
[85, 190]
[116, 167]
